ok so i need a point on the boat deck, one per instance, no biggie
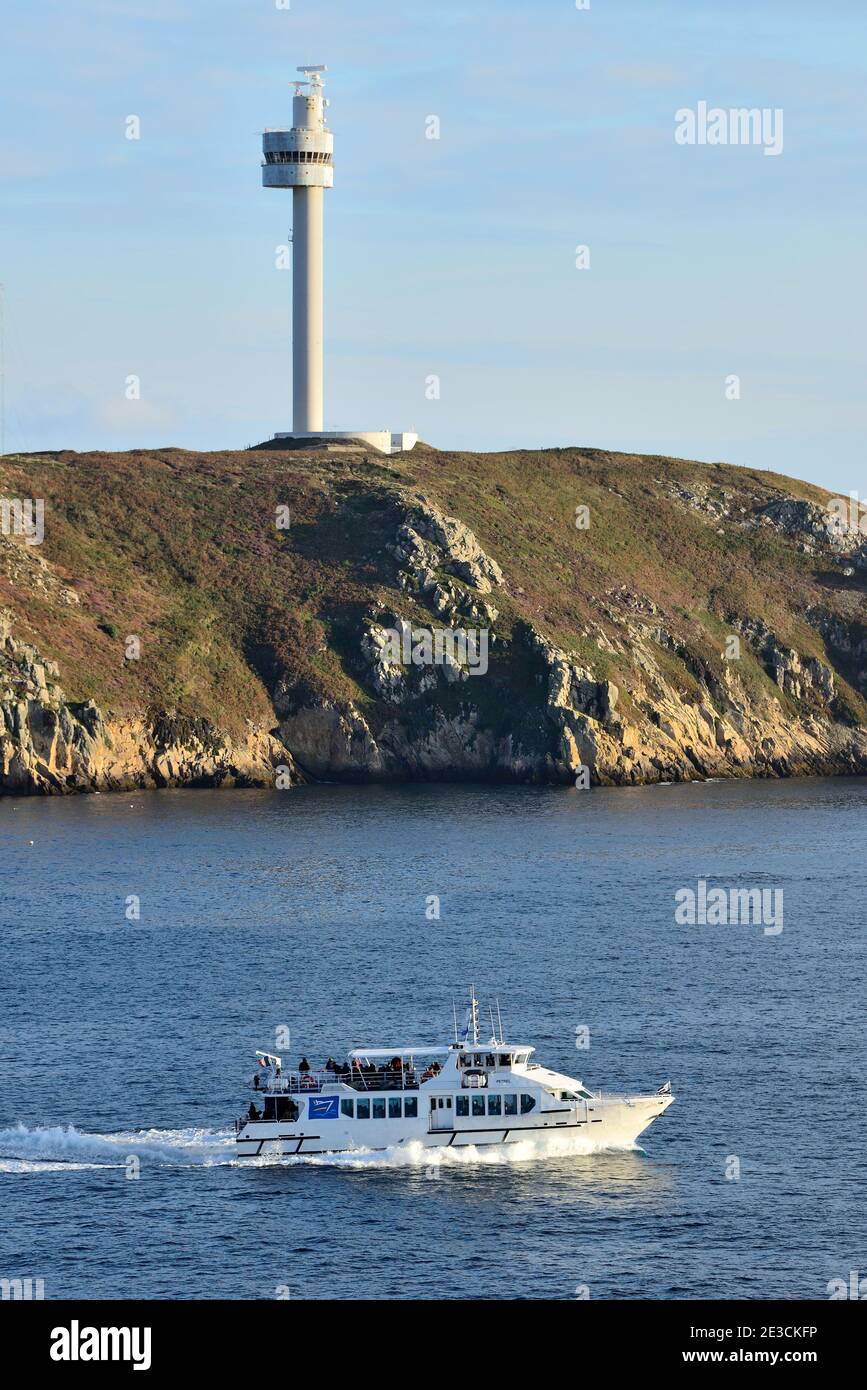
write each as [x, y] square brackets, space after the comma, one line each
[378, 1079]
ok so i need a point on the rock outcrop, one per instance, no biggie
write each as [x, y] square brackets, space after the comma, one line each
[806, 521]
[49, 744]
[430, 547]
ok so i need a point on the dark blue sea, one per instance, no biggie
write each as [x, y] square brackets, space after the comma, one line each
[308, 910]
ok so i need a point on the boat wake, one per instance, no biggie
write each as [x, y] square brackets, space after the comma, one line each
[63, 1147]
[417, 1155]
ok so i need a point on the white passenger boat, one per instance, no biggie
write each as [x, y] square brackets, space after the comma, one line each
[458, 1094]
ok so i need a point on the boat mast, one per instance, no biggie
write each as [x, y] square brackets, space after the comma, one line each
[474, 1010]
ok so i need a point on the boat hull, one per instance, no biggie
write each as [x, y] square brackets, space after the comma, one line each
[606, 1125]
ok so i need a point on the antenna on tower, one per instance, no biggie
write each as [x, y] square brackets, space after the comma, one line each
[500, 1023]
[312, 75]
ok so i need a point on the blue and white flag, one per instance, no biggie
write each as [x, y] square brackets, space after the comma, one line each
[323, 1107]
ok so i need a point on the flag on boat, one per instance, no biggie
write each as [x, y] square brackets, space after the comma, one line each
[323, 1107]
[468, 1021]
[665, 1089]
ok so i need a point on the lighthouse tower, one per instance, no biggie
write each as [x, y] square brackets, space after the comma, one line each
[303, 159]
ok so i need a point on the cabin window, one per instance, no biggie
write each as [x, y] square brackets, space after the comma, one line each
[494, 1104]
[363, 1110]
[585, 1095]
[269, 1111]
[490, 1059]
[478, 1105]
[477, 1059]
[510, 1105]
[527, 1103]
[410, 1108]
[379, 1108]
[505, 1059]
[286, 1109]
[462, 1105]
[346, 1108]
[394, 1107]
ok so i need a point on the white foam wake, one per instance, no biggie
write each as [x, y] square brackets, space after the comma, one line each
[61, 1147]
[417, 1155]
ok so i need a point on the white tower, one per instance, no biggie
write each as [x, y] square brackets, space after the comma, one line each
[302, 159]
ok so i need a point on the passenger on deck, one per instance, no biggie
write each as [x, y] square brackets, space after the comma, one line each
[253, 1113]
[304, 1065]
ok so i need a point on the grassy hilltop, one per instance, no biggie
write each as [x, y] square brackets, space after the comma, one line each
[244, 624]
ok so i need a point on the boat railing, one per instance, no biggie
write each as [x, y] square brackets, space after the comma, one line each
[304, 1082]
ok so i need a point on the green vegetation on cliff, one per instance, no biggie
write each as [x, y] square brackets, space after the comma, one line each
[242, 621]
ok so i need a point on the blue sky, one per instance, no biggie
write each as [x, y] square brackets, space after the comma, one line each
[454, 257]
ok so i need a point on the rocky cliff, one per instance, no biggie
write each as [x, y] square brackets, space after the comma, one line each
[567, 615]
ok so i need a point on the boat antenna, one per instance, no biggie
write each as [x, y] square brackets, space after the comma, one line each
[500, 1023]
[455, 1016]
[474, 1010]
[493, 1029]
